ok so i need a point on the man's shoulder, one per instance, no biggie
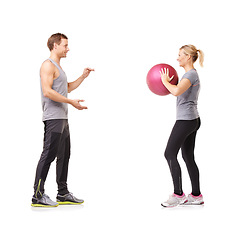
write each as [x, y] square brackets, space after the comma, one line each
[48, 66]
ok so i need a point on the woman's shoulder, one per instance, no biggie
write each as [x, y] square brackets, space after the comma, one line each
[192, 75]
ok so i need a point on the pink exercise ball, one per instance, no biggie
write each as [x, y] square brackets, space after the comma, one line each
[154, 80]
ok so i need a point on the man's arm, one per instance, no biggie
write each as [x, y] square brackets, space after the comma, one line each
[73, 85]
[47, 76]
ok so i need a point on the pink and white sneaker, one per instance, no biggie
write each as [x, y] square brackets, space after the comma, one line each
[194, 200]
[175, 200]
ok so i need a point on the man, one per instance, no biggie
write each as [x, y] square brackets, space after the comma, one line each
[54, 90]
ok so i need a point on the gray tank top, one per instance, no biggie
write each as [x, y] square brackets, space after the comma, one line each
[52, 109]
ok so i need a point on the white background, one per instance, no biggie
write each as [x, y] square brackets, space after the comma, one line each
[117, 164]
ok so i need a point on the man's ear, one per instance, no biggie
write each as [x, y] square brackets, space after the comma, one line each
[54, 46]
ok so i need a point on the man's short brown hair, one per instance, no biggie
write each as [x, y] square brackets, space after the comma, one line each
[55, 38]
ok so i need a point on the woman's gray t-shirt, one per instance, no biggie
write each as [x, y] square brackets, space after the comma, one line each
[187, 102]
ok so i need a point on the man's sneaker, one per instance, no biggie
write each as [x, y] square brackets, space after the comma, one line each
[44, 201]
[175, 200]
[68, 199]
[194, 200]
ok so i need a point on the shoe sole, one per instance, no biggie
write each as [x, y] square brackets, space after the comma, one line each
[68, 203]
[196, 204]
[42, 205]
[172, 206]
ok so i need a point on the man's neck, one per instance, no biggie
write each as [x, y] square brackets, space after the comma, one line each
[55, 58]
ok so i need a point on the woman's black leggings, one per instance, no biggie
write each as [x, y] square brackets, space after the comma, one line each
[183, 136]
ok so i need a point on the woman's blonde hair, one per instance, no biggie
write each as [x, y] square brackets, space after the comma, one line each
[194, 52]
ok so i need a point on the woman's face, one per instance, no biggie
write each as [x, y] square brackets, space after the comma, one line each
[182, 58]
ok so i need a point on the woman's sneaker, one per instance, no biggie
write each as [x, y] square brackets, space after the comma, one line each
[44, 201]
[194, 200]
[68, 199]
[175, 200]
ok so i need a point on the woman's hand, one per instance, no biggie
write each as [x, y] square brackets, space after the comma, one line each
[165, 75]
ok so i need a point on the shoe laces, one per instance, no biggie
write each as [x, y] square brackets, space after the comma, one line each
[45, 195]
[171, 199]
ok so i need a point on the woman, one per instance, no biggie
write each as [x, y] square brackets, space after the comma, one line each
[185, 129]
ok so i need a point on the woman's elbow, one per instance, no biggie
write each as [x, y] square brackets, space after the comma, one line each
[176, 93]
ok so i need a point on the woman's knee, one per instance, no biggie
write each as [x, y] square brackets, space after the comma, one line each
[188, 156]
[169, 155]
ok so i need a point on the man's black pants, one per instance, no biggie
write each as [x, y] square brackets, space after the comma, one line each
[56, 145]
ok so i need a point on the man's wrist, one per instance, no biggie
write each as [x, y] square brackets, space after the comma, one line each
[83, 77]
[69, 101]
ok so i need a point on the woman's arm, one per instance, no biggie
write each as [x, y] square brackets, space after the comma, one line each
[175, 90]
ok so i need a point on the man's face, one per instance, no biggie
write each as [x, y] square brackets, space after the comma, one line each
[62, 48]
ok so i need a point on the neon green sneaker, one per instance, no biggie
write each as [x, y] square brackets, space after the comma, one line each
[44, 201]
[68, 199]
